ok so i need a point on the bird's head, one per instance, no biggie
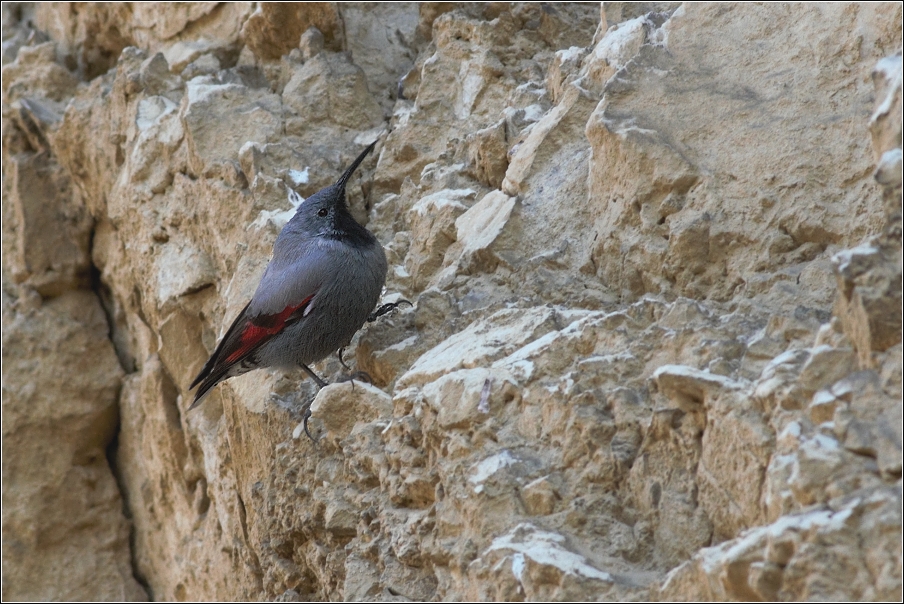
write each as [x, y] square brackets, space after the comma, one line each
[325, 213]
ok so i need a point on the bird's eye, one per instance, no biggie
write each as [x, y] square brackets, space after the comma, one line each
[322, 212]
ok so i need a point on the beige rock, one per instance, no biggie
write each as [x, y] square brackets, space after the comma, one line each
[274, 28]
[477, 230]
[311, 43]
[825, 366]
[385, 347]
[869, 300]
[62, 510]
[160, 133]
[181, 270]
[381, 40]
[433, 219]
[885, 123]
[822, 409]
[209, 103]
[488, 153]
[50, 231]
[340, 406]
[535, 564]
[865, 419]
[775, 561]
[196, 52]
[575, 106]
[691, 386]
[330, 87]
[483, 342]
[539, 497]
[698, 246]
[35, 73]
[96, 34]
[457, 397]
[627, 370]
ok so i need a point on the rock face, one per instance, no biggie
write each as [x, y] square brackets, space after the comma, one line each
[654, 254]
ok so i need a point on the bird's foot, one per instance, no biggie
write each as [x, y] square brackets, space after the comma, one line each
[386, 308]
[359, 375]
[307, 406]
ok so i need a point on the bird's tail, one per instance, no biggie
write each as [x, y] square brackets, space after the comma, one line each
[215, 377]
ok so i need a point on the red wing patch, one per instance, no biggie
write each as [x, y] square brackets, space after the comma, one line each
[260, 329]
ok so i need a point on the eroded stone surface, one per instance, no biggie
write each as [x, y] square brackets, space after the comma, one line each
[64, 531]
[654, 256]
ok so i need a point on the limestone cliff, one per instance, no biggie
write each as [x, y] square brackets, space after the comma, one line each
[654, 255]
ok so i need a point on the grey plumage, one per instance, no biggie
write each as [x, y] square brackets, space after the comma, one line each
[322, 283]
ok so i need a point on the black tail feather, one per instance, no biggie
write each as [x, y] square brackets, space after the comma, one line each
[212, 361]
[220, 375]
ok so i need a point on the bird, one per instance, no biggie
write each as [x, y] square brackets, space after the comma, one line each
[323, 281]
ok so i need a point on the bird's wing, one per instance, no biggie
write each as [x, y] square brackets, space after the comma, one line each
[251, 331]
[285, 295]
[245, 336]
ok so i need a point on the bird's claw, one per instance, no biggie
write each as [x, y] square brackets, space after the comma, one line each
[304, 420]
[342, 362]
[359, 375]
[386, 308]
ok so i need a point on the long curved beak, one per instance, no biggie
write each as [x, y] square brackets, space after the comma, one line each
[351, 169]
